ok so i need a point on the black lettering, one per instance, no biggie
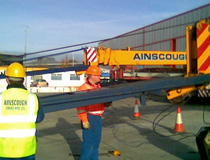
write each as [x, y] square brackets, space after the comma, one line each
[147, 56]
[181, 56]
[168, 56]
[161, 57]
[154, 57]
[175, 56]
[15, 102]
[136, 56]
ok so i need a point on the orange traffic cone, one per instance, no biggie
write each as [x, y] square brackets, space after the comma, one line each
[179, 126]
[136, 113]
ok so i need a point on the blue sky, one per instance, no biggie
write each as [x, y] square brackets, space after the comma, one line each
[58, 23]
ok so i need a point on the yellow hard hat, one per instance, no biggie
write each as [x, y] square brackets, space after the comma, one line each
[16, 70]
[93, 70]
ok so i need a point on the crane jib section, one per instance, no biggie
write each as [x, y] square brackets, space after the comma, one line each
[107, 56]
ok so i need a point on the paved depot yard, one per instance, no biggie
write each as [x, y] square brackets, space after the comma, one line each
[149, 138]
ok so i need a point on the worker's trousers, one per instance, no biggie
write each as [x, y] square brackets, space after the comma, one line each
[91, 138]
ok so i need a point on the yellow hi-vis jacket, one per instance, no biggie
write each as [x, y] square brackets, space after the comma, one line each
[18, 113]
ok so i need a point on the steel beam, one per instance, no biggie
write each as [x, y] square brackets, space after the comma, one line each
[54, 70]
[117, 92]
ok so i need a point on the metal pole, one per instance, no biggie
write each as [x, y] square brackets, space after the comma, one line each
[26, 38]
[73, 59]
[25, 53]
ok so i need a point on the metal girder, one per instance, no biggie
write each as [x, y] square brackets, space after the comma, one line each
[54, 70]
[117, 92]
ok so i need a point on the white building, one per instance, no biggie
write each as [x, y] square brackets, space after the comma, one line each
[58, 82]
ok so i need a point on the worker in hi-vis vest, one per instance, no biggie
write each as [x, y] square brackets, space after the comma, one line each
[90, 117]
[19, 113]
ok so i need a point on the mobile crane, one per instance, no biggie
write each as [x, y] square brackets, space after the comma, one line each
[195, 60]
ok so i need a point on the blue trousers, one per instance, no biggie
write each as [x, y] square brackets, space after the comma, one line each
[32, 157]
[91, 138]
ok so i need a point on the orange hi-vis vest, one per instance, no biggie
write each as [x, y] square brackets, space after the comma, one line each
[94, 109]
[18, 114]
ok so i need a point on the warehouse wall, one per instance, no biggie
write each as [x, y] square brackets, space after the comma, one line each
[158, 36]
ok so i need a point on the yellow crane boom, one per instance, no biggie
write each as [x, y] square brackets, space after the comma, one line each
[196, 58]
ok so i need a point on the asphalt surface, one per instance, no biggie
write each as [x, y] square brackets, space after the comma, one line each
[151, 137]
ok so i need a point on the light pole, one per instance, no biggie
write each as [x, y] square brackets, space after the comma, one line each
[26, 38]
[25, 53]
[73, 58]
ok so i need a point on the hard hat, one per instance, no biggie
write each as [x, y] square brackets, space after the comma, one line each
[16, 70]
[93, 70]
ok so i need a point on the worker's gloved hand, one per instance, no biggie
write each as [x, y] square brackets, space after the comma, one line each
[86, 125]
[108, 104]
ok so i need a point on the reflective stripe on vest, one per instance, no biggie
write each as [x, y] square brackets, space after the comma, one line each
[96, 112]
[17, 133]
[18, 112]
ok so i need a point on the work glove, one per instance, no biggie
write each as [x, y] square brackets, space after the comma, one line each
[86, 125]
[108, 104]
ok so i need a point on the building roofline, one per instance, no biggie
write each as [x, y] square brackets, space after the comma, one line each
[186, 12]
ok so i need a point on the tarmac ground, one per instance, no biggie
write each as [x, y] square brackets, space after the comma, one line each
[151, 137]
